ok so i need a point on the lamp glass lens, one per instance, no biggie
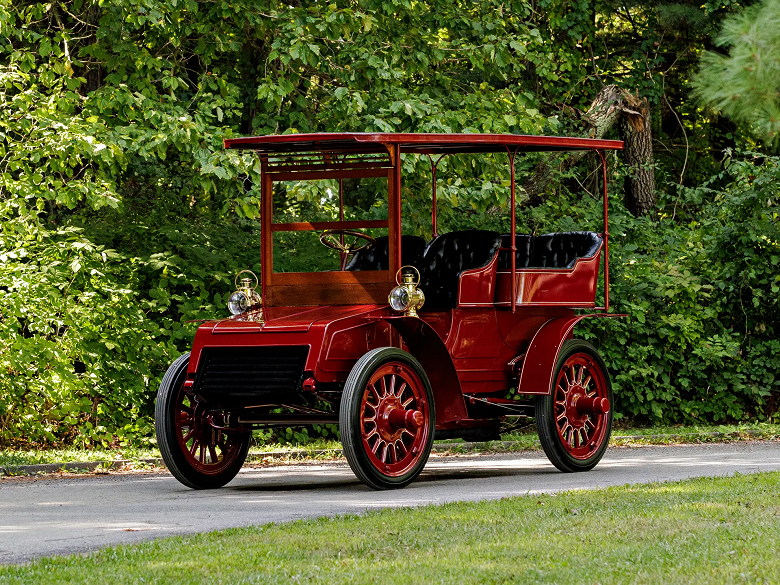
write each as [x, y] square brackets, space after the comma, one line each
[399, 298]
[237, 303]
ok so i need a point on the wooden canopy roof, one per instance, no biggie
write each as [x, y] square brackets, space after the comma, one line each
[360, 142]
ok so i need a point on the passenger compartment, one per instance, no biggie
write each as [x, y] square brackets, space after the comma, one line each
[558, 269]
[458, 269]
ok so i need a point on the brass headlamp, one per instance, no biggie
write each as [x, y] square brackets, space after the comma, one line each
[246, 297]
[406, 296]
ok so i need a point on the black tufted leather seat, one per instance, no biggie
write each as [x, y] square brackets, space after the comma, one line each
[558, 250]
[377, 256]
[446, 257]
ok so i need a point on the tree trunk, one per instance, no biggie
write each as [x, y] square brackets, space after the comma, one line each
[636, 134]
[600, 118]
[612, 105]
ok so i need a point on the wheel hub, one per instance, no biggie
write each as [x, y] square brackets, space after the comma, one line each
[393, 419]
[576, 417]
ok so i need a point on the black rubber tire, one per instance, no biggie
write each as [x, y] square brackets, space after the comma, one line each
[349, 418]
[167, 440]
[545, 414]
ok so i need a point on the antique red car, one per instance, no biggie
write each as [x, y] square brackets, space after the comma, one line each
[395, 339]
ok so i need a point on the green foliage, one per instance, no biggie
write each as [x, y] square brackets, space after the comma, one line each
[744, 83]
[123, 217]
[701, 340]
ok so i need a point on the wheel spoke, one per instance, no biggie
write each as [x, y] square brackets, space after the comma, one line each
[408, 432]
[407, 402]
[580, 374]
[401, 389]
[391, 392]
[372, 390]
[213, 454]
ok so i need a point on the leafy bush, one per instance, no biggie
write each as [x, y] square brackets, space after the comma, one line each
[700, 342]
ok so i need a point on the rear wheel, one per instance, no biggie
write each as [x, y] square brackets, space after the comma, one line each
[201, 447]
[575, 420]
[387, 418]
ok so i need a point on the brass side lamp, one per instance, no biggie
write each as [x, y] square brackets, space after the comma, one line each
[406, 296]
[246, 298]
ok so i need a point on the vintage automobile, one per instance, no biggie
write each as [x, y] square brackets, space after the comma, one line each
[396, 340]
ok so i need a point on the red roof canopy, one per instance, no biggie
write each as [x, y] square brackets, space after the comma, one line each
[417, 143]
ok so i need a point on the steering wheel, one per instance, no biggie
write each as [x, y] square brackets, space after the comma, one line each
[329, 240]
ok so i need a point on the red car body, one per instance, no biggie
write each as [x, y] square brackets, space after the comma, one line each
[499, 325]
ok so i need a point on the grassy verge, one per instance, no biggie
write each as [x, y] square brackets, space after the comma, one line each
[328, 448]
[723, 530]
[43, 456]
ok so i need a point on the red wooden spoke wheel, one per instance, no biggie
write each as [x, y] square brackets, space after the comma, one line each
[387, 418]
[575, 420]
[201, 447]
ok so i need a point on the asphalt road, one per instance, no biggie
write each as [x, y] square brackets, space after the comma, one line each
[46, 517]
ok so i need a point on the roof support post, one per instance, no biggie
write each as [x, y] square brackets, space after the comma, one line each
[395, 155]
[435, 205]
[341, 208]
[513, 245]
[606, 230]
[266, 231]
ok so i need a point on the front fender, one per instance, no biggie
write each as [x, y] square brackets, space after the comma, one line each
[428, 348]
[536, 375]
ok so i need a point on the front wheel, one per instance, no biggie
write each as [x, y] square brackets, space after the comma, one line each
[387, 418]
[202, 447]
[575, 420]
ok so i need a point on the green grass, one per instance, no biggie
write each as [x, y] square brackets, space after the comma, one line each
[724, 530]
[525, 439]
[37, 457]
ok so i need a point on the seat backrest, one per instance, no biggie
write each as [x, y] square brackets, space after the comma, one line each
[377, 255]
[557, 250]
[446, 257]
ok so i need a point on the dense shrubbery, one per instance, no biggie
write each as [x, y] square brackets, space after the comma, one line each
[701, 290]
[122, 217]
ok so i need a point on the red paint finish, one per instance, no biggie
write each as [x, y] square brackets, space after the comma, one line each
[477, 287]
[205, 439]
[540, 287]
[506, 331]
[539, 362]
[429, 349]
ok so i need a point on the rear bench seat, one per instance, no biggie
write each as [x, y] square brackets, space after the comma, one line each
[558, 250]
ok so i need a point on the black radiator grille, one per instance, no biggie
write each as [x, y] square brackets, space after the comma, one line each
[240, 375]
